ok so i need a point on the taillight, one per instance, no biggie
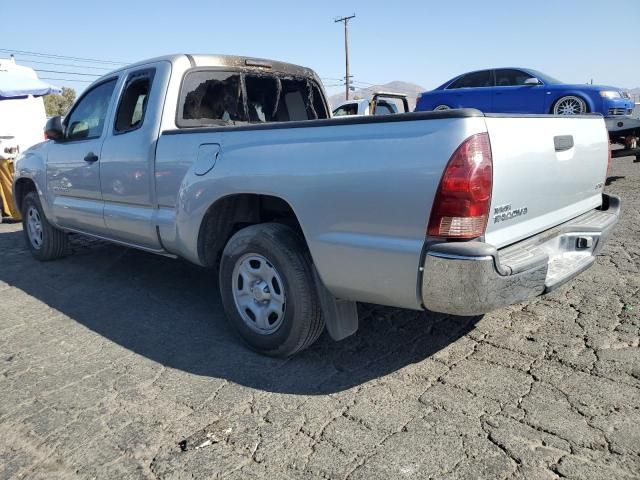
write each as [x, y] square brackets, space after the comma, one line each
[461, 206]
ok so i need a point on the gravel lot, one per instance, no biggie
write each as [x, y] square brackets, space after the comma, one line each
[119, 364]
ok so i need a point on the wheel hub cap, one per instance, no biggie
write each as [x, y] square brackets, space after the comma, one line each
[570, 106]
[34, 228]
[258, 293]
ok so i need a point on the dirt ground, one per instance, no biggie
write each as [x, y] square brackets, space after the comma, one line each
[119, 364]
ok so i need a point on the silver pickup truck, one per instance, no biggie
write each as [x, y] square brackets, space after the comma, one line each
[232, 163]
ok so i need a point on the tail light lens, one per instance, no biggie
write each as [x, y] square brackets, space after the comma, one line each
[461, 206]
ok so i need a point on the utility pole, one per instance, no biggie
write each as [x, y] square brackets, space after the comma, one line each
[347, 77]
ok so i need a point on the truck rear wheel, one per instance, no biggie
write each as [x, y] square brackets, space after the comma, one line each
[45, 241]
[268, 291]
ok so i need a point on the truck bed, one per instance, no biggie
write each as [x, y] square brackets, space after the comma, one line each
[362, 187]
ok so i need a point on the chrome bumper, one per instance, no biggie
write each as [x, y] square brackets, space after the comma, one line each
[472, 278]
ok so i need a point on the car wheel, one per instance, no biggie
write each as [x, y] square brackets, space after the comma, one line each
[441, 107]
[570, 105]
[268, 292]
[45, 241]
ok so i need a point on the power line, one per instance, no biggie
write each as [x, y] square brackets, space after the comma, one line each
[66, 79]
[69, 73]
[364, 83]
[62, 57]
[67, 65]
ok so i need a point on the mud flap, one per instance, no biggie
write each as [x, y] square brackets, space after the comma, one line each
[340, 316]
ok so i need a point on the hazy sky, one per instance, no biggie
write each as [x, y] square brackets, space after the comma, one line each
[418, 41]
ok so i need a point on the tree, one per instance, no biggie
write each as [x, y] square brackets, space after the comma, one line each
[59, 104]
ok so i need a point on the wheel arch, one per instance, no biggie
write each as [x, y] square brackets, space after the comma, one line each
[21, 188]
[571, 93]
[230, 213]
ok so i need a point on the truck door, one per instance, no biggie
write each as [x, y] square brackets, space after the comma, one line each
[128, 154]
[73, 163]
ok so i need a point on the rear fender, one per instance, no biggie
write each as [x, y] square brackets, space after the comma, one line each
[430, 100]
[196, 195]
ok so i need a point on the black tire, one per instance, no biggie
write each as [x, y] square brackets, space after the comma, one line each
[302, 321]
[54, 241]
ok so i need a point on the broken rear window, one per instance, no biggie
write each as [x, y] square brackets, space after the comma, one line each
[212, 97]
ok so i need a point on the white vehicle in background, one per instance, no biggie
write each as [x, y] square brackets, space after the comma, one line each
[22, 113]
[380, 103]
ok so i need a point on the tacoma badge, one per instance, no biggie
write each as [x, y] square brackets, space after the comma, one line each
[505, 212]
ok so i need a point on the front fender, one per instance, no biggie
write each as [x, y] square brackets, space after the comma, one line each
[32, 165]
[593, 104]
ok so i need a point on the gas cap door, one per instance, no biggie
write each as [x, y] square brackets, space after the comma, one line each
[207, 156]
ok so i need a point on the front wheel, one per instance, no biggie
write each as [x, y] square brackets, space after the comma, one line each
[268, 292]
[570, 105]
[45, 241]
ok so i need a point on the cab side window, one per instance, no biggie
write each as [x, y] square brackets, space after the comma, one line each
[508, 77]
[87, 119]
[133, 102]
[474, 80]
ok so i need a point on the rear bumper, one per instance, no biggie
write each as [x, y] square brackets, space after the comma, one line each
[472, 278]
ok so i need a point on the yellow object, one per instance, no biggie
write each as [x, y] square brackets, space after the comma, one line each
[6, 198]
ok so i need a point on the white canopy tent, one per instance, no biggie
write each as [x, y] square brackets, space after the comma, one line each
[17, 81]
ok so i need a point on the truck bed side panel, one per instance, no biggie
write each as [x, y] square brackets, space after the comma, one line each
[362, 193]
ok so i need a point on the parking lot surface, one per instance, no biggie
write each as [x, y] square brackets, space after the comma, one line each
[119, 364]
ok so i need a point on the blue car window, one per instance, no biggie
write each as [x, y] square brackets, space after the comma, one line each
[509, 77]
[474, 80]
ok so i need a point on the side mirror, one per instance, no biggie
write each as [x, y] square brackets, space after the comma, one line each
[532, 81]
[54, 129]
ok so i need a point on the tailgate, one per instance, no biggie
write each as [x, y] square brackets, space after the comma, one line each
[546, 170]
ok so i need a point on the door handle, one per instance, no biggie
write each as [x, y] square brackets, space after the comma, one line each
[91, 157]
[563, 142]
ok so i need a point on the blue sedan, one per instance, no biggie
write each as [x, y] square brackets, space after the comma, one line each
[521, 90]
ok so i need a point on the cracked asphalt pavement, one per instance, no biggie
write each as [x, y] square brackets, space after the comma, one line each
[118, 364]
